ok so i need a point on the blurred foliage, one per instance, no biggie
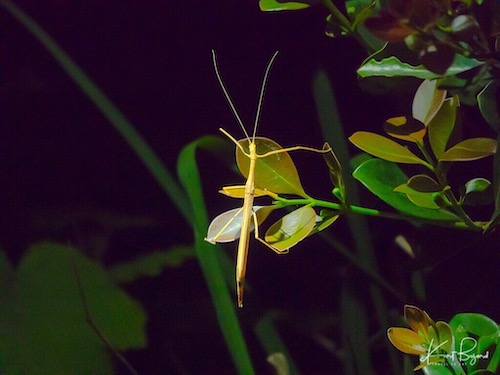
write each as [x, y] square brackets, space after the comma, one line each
[43, 327]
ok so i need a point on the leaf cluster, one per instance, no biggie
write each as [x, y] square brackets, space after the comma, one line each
[456, 41]
[429, 130]
[423, 196]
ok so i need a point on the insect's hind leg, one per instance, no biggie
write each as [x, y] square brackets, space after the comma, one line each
[256, 235]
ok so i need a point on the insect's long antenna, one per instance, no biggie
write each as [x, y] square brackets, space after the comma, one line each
[226, 94]
[261, 96]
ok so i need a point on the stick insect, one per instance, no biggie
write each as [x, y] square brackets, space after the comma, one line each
[247, 213]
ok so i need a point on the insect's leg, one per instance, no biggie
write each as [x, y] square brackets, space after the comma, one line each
[295, 148]
[214, 240]
[256, 234]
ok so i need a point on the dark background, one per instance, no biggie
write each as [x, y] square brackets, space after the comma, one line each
[63, 167]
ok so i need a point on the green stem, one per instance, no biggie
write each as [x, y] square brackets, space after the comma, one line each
[448, 193]
[460, 211]
[454, 367]
[284, 202]
[448, 366]
[346, 25]
[431, 163]
[338, 15]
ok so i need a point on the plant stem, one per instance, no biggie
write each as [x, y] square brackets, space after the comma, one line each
[338, 15]
[448, 193]
[427, 156]
[284, 202]
[460, 211]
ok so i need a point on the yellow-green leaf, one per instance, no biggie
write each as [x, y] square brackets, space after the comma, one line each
[335, 171]
[418, 198]
[324, 220]
[441, 126]
[406, 128]
[470, 149]
[291, 228]
[238, 191]
[478, 191]
[384, 148]
[445, 336]
[427, 101]
[276, 173]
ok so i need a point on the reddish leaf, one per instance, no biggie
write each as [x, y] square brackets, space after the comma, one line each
[405, 128]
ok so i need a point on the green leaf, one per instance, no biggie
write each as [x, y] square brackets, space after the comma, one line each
[359, 159]
[382, 177]
[393, 67]
[384, 148]
[441, 126]
[276, 173]
[152, 264]
[418, 198]
[427, 101]
[291, 228]
[477, 324]
[359, 11]
[326, 218]
[212, 262]
[470, 149]
[405, 128]
[475, 334]
[478, 191]
[276, 6]
[42, 317]
[226, 227]
[488, 101]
